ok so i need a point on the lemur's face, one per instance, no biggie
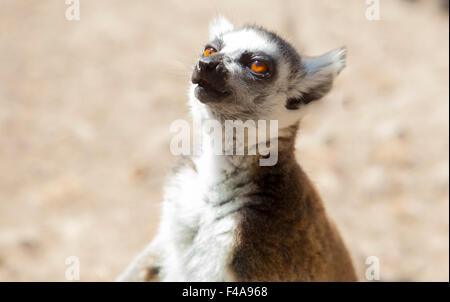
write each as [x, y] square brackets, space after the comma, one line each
[251, 73]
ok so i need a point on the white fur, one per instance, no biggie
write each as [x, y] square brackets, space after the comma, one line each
[195, 237]
[218, 26]
[245, 39]
[199, 234]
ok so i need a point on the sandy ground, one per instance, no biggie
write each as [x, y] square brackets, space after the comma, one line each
[85, 109]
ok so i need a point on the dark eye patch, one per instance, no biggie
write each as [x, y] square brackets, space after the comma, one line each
[248, 57]
[216, 43]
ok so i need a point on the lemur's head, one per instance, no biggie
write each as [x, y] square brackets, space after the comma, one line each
[251, 73]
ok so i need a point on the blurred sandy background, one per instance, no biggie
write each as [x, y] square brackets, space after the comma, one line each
[85, 109]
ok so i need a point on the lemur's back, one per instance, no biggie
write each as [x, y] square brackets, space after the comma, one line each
[284, 233]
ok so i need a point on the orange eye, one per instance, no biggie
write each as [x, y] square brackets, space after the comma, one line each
[209, 51]
[258, 66]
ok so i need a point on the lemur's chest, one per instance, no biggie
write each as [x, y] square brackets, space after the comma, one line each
[200, 217]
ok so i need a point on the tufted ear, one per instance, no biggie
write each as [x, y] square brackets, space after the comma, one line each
[319, 74]
[218, 26]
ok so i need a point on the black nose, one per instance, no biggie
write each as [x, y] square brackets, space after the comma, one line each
[210, 72]
[207, 65]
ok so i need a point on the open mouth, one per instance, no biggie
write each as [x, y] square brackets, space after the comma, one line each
[208, 87]
[206, 92]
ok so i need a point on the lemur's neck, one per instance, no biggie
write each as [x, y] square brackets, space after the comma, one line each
[231, 171]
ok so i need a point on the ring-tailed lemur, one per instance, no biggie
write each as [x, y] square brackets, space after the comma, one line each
[225, 217]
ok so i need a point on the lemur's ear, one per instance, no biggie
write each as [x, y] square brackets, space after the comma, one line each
[320, 72]
[218, 26]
